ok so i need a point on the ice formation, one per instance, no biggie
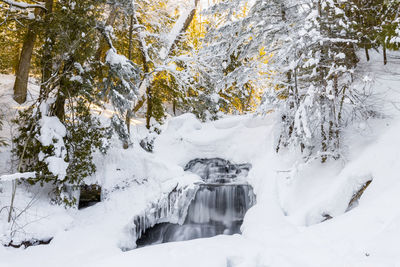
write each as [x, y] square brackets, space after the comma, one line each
[215, 206]
[171, 207]
[216, 170]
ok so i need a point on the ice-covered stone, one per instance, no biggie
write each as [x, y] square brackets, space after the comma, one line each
[217, 170]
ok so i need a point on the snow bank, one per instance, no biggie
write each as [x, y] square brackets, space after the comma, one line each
[284, 228]
[274, 230]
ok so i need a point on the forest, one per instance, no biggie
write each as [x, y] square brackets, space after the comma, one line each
[152, 98]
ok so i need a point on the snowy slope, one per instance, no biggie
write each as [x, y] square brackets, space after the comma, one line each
[283, 229]
[269, 238]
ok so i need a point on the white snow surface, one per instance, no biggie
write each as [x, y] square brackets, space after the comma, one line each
[15, 176]
[52, 132]
[283, 229]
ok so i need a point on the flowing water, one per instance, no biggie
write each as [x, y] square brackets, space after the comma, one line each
[218, 207]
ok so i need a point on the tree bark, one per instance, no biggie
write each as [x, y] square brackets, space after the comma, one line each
[186, 25]
[149, 112]
[46, 60]
[146, 69]
[64, 91]
[101, 51]
[384, 54]
[59, 109]
[129, 112]
[366, 53]
[24, 64]
[130, 37]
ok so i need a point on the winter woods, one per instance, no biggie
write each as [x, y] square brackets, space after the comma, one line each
[153, 59]
[307, 59]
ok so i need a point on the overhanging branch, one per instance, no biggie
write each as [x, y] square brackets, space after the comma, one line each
[23, 5]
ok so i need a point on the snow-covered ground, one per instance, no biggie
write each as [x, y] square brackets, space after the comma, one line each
[283, 229]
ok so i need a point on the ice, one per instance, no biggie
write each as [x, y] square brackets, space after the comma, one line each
[216, 170]
[219, 205]
[172, 207]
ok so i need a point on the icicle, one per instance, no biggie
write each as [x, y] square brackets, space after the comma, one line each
[214, 207]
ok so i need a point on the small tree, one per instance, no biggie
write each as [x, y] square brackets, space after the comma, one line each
[59, 154]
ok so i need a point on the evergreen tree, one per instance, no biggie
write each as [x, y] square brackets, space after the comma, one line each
[58, 134]
[388, 34]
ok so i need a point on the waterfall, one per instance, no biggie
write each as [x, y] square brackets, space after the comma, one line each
[218, 206]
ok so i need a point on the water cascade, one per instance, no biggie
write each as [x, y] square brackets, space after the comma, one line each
[218, 207]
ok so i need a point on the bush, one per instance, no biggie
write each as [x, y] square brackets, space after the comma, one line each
[63, 155]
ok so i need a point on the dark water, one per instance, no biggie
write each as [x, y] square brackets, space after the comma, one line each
[218, 207]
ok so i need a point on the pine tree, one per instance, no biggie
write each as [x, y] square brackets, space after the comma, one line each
[68, 91]
[388, 34]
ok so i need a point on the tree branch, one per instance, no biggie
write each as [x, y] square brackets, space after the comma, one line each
[184, 27]
[23, 5]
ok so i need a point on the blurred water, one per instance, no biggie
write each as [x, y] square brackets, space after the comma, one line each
[218, 207]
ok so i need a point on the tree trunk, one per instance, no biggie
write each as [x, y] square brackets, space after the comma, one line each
[324, 145]
[58, 108]
[46, 60]
[130, 38]
[101, 51]
[384, 54]
[366, 53]
[146, 69]
[129, 112]
[128, 127]
[24, 64]
[149, 112]
[139, 104]
[174, 106]
[186, 25]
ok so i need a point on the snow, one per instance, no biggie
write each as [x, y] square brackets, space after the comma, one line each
[52, 132]
[113, 58]
[23, 4]
[284, 228]
[51, 128]
[176, 29]
[15, 176]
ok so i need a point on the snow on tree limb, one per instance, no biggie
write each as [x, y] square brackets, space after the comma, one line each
[23, 5]
[15, 176]
[181, 25]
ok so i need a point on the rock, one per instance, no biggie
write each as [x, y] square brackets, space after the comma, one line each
[218, 170]
[89, 195]
[357, 195]
[29, 243]
[326, 217]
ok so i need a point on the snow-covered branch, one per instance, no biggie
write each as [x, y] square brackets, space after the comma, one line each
[180, 27]
[15, 176]
[23, 5]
